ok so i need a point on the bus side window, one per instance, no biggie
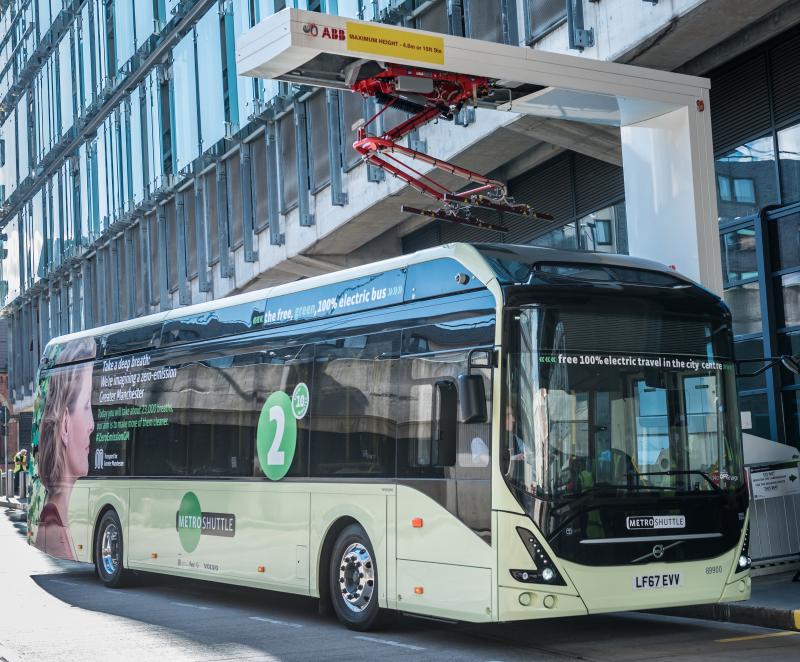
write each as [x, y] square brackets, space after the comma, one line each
[353, 406]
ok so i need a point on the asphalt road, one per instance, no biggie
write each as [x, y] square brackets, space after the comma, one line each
[57, 610]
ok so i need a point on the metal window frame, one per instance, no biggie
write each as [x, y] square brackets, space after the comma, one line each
[88, 295]
[374, 173]
[30, 362]
[101, 282]
[129, 277]
[223, 235]
[304, 183]
[64, 306]
[113, 280]
[54, 298]
[203, 282]
[335, 148]
[184, 294]
[77, 300]
[246, 191]
[271, 135]
[509, 29]
[163, 257]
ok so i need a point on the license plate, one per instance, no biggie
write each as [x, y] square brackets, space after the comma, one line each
[663, 580]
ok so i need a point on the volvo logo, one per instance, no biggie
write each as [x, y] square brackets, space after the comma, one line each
[657, 552]
[311, 29]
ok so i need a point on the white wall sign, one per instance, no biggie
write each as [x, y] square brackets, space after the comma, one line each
[768, 483]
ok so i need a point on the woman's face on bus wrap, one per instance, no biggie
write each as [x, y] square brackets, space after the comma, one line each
[76, 427]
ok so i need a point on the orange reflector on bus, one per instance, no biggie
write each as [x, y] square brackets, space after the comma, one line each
[261, 568]
[419, 590]
[416, 522]
[153, 555]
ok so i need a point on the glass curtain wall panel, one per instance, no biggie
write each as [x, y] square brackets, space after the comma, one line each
[43, 18]
[10, 265]
[36, 239]
[23, 153]
[88, 65]
[65, 78]
[102, 179]
[86, 195]
[9, 170]
[789, 156]
[247, 89]
[125, 166]
[54, 222]
[136, 141]
[184, 103]
[349, 8]
[746, 179]
[124, 30]
[94, 187]
[209, 67]
[145, 21]
[154, 133]
[100, 46]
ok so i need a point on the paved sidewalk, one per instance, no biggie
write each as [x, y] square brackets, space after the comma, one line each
[774, 603]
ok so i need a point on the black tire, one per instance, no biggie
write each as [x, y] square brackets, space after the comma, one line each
[108, 551]
[354, 579]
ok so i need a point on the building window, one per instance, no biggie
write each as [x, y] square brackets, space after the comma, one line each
[288, 162]
[600, 231]
[739, 255]
[541, 16]
[754, 413]
[746, 179]
[744, 302]
[789, 155]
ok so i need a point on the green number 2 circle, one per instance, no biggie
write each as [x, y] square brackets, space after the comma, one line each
[276, 436]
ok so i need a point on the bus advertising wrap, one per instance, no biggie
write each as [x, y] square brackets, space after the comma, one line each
[63, 423]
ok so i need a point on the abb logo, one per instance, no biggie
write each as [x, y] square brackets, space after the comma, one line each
[312, 29]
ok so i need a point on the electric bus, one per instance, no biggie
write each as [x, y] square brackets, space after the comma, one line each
[474, 432]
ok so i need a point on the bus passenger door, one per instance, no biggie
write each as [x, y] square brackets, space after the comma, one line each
[444, 553]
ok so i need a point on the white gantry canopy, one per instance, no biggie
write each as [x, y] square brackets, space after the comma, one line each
[664, 118]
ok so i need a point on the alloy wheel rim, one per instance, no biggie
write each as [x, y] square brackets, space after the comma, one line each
[109, 549]
[356, 577]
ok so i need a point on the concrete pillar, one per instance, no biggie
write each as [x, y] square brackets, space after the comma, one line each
[670, 194]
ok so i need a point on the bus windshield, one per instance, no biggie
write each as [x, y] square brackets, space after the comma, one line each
[619, 404]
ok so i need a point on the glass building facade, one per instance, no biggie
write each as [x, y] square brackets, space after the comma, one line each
[138, 172]
[137, 168]
[756, 122]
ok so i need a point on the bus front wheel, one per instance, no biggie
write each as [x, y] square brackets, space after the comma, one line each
[354, 579]
[108, 551]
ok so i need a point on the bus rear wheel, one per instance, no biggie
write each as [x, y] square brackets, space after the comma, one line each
[354, 579]
[108, 551]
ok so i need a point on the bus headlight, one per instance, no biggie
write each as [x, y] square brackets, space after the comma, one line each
[546, 571]
[744, 561]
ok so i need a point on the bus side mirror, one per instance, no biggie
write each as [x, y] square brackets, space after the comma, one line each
[472, 397]
[445, 428]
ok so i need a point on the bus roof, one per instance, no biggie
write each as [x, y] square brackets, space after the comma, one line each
[477, 259]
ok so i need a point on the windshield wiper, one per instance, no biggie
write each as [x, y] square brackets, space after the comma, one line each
[683, 472]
